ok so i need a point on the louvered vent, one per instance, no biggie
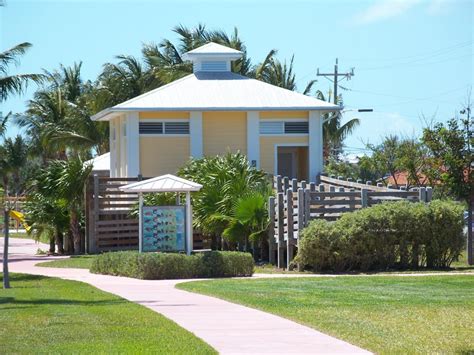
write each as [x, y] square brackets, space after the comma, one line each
[271, 127]
[296, 127]
[150, 127]
[176, 127]
[214, 66]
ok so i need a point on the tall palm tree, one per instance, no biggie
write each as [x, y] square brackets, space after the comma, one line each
[272, 71]
[13, 154]
[14, 84]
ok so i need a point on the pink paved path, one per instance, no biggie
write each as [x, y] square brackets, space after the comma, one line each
[228, 327]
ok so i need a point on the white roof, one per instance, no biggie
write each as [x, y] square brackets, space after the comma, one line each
[212, 49]
[100, 162]
[218, 91]
[164, 183]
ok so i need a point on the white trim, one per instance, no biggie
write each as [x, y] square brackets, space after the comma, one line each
[284, 134]
[253, 140]
[151, 120]
[113, 148]
[275, 153]
[315, 153]
[195, 131]
[164, 135]
[133, 144]
[189, 224]
[286, 119]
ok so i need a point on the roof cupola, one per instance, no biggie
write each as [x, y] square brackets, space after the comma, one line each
[212, 57]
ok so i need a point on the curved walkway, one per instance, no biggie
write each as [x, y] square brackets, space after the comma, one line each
[228, 327]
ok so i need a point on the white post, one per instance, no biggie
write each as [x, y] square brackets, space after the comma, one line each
[140, 227]
[189, 225]
[195, 134]
[253, 138]
[133, 144]
[315, 155]
[113, 147]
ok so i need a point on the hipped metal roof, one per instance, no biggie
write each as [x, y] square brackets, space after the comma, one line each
[218, 91]
[164, 183]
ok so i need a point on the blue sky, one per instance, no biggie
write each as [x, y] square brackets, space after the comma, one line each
[411, 58]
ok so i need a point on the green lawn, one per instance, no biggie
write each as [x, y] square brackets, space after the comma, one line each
[78, 262]
[48, 315]
[432, 314]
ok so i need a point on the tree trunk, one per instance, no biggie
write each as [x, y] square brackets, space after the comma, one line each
[59, 241]
[76, 232]
[6, 221]
[52, 245]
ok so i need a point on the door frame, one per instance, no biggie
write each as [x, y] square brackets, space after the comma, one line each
[275, 153]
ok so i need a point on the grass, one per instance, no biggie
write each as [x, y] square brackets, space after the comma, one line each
[78, 262]
[429, 314]
[49, 315]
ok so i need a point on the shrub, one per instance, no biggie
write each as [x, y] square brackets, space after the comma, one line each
[157, 266]
[390, 235]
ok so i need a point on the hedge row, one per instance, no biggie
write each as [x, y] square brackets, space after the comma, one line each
[158, 266]
[399, 235]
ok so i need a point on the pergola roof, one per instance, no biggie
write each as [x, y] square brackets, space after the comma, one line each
[164, 183]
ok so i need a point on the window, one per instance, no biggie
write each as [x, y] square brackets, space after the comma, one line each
[164, 127]
[284, 127]
[213, 66]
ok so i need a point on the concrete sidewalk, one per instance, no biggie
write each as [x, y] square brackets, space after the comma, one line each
[228, 327]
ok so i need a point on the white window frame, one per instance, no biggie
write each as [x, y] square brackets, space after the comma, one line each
[282, 120]
[176, 120]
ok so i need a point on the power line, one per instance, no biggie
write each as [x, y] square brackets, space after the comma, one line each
[336, 76]
[424, 54]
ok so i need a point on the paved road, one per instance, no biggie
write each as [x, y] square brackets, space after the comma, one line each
[228, 327]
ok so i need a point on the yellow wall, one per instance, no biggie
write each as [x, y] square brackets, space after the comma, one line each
[267, 149]
[163, 114]
[162, 155]
[284, 114]
[223, 132]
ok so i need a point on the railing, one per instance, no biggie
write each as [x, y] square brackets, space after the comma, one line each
[297, 203]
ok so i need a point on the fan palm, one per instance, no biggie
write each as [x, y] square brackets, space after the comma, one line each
[14, 84]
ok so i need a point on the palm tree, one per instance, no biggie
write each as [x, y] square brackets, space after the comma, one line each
[14, 84]
[13, 154]
[225, 179]
[272, 71]
[334, 133]
[65, 180]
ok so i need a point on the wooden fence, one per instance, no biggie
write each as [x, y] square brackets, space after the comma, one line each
[297, 203]
[109, 226]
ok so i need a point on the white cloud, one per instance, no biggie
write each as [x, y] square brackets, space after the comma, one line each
[385, 9]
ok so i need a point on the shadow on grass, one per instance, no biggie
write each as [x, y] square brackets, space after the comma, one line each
[54, 301]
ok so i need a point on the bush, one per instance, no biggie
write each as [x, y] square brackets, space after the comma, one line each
[390, 235]
[158, 266]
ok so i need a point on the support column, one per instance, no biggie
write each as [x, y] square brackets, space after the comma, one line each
[315, 156]
[253, 138]
[195, 134]
[140, 226]
[189, 225]
[132, 137]
[113, 147]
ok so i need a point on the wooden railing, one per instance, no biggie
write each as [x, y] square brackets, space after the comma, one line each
[297, 203]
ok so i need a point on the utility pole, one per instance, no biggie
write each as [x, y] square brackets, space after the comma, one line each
[336, 76]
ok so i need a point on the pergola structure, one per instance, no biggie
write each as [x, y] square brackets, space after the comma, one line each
[166, 183]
